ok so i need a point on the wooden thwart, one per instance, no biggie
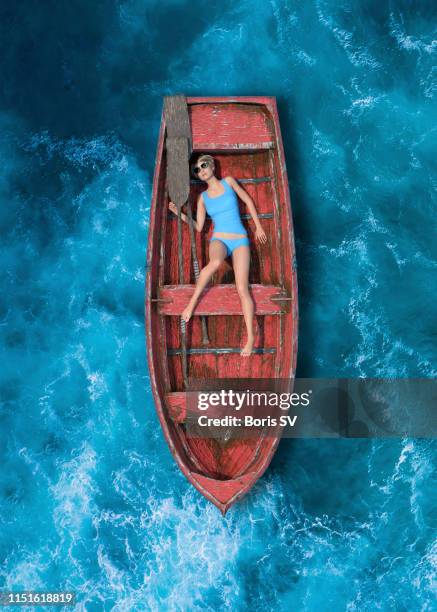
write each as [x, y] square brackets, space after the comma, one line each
[243, 181]
[222, 300]
[225, 350]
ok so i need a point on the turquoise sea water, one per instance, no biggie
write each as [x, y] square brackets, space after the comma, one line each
[90, 497]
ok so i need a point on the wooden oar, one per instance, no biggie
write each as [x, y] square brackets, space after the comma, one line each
[178, 182]
[178, 126]
[205, 339]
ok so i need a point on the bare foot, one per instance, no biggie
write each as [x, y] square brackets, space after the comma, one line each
[248, 347]
[186, 315]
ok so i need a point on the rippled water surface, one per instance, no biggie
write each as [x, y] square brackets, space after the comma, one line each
[90, 497]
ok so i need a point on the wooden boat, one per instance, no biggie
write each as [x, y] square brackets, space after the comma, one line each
[243, 135]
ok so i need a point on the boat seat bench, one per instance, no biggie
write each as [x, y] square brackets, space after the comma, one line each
[222, 300]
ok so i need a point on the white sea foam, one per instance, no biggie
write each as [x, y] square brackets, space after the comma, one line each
[410, 42]
[394, 248]
[368, 101]
[304, 58]
[358, 55]
[378, 353]
[97, 386]
[28, 573]
[81, 152]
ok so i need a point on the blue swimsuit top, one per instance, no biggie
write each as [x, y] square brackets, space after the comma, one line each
[224, 211]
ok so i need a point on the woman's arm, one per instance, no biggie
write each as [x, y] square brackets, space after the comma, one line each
[201, 213]
[243, 195]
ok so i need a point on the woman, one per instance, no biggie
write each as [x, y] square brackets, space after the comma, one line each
[229, 237]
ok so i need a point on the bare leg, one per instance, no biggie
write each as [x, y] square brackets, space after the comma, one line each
[241, 263]
[217, 254]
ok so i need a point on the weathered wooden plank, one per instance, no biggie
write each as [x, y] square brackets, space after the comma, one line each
[263, 100]
[243, 216]
[221, 300]
[217, 145]
[225, 350]
[176, 404]
[230, 126]
[243, 181]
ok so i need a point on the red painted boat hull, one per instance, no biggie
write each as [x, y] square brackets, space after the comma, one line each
[243, 135]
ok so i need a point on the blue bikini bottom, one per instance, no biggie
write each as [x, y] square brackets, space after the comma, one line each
[232, 243]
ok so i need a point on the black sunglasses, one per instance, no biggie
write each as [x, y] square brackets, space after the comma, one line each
[202, 166]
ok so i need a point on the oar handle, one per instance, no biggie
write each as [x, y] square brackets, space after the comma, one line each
[205, 339]
[181, 281]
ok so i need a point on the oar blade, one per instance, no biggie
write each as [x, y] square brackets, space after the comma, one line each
[178, 170]
[177, 120]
